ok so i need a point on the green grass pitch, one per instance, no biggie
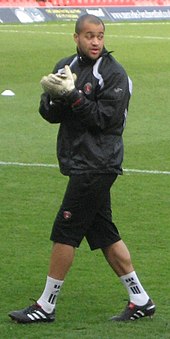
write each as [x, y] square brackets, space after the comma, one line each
[30, 196]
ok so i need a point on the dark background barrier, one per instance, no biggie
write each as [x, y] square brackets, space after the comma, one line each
[28, 14]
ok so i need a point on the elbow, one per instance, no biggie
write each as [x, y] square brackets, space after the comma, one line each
[51, 119]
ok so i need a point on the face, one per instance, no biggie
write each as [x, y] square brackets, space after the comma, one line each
[90, 40]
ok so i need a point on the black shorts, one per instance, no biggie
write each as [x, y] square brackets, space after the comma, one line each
[86, 212]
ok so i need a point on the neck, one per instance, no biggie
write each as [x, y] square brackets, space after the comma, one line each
[84, 59]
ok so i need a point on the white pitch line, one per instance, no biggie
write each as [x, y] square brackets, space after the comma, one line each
[128, 170]
[33, 32]
[25, 164]
[128, 23]
[138, 37]
[106, 35]
[140, 23]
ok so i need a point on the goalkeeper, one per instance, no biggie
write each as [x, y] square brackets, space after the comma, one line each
[88, 93]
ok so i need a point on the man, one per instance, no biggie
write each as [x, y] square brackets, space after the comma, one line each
[88, 94]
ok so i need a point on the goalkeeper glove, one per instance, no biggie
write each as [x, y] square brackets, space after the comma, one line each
[59, 85]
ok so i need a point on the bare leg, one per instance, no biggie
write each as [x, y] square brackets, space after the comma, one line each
[140, 304]
[61, 260]
[118, 258]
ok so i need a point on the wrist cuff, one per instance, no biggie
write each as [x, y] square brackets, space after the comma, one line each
[75, 98]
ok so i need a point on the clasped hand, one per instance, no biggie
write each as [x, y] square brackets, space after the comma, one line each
[59, 85]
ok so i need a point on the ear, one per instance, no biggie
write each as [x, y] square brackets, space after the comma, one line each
[76, 37]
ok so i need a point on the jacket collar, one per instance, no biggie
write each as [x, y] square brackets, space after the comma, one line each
[83, 59]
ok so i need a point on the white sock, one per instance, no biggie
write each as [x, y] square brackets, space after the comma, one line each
[49, 296]
[136, 292]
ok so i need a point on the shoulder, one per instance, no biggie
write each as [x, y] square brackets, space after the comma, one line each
[65, 61]
[110, 66]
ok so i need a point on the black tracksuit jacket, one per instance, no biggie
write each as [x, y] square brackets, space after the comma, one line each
[93, 118]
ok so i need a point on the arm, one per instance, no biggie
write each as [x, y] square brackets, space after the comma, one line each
[53, 105]
[108, 110]
[50, 110]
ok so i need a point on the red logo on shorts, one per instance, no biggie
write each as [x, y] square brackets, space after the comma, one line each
[67, 215]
